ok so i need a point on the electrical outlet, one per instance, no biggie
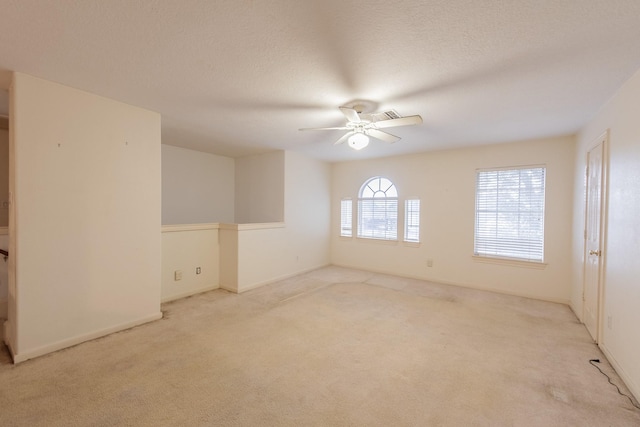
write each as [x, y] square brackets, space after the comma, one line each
[198, 270]
[429, 262]
[177, 275]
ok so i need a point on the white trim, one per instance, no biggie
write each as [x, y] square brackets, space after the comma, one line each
[228, 289]
[342, 214]
[189, 293]
[394, 242]
[628, 381]
[501, 168]
[41, 351]
[604, 206]
[411, 244]
[256, 226]
[273, 280]
[260, 226]
[406, 221]
[459, 284]
[493, 186]
[228, 226]
[190, 227]
[217, 226]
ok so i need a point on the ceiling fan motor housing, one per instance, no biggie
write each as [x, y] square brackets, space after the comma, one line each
[361, 126]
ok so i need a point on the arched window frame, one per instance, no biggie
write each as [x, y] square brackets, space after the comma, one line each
[378, 209]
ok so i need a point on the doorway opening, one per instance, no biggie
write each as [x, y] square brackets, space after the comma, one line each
[594, 236]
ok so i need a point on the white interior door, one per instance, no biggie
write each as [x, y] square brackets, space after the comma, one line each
[593, 239]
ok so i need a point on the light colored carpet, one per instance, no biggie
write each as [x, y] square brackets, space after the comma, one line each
[334, 347]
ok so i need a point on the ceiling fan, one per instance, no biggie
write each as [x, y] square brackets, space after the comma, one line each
[360, 126]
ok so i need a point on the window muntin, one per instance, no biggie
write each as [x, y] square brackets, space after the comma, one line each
[346, 217]
[378, 210]
[510, 213]
[412, 220]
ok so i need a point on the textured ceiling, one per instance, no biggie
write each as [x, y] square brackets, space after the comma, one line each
[240, 77]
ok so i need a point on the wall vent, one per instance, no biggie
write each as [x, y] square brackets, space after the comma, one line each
[384, 115]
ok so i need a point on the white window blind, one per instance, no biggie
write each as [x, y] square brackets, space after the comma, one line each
[346, 217]
[378, 210]
[412, 220]
[510, 213]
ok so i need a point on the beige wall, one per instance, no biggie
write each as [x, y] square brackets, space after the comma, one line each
[196, 187]
[259, 191]
[246, 255]
[307, 210]
[444, 181]
[86, 216]
[621, 292]
[228, 240]
[185, 249]
[271, 251]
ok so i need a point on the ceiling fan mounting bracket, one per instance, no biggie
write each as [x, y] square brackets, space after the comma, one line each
[362, 106]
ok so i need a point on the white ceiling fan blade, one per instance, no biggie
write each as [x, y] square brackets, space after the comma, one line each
[336, 128]
[344, 138]
[351, 114]
[383, 136]
[402, 121]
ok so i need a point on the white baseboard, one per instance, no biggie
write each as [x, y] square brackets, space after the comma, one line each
[40, 351]
[575, 312]
[190, 292]
[459, 284]
[275, 279]
[631, 385]
[228, 288]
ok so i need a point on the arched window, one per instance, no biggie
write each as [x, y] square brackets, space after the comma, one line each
[378, 209]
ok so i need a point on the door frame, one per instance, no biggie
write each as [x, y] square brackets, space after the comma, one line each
[604, 204]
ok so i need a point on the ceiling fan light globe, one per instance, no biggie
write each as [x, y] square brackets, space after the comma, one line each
[358, 141]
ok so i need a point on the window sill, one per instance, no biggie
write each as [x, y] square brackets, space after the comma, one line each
[377, 241]
[383, 241]
[510, 262]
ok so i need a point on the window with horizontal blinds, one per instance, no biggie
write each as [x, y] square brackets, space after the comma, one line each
[346, 217]
[378, 210]
[412, 220]
[510, 213]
